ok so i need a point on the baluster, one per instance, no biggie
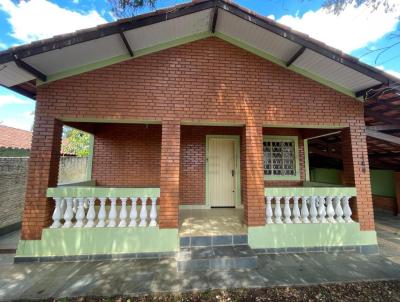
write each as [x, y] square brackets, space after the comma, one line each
[69, 214]
[133, 213]
[304, 209]
[268, 210]
[57, 213]
[313, 210]
[287, 211]
[338, 210]
[80, 214]
[153, 212]
[123, 213]
[321, 210]
[75, 205]
[143, 213]
[296, 210]
[330, 210]
[63, 207]
[278, 210]
[91, 214]
[347, 210]
[85, 203]
[102, 213]
[113, 213]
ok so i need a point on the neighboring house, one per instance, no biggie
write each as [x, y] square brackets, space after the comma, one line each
[192, 108]
[14, 142]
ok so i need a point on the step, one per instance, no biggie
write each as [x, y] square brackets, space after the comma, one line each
[216, 258]
[213, 240]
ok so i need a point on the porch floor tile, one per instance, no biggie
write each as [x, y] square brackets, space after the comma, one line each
[211, 222]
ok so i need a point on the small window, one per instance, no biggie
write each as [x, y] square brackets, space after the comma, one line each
[281, 158]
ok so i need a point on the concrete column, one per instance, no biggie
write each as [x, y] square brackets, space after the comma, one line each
[169, 174]
[356, 173]
[42, 173]
[253, 175]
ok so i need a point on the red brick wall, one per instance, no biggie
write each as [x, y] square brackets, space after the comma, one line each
[127, 155]
[203, 81]
[385, 203]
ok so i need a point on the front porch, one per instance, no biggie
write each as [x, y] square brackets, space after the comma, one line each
[155, 189]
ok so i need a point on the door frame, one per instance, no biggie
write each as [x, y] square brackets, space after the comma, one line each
[236, 140]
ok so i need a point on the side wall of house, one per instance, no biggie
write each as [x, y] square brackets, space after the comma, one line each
[207, 81]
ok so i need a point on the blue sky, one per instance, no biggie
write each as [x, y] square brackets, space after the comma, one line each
[356, 31]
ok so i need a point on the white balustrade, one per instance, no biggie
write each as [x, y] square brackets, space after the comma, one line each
[315, 209]
[322, 210]
[278, 210]
[296, 210]
[268, 210]
[78, 212]
[143, 213]
[123, 213]
[286, 211]
[69, 213]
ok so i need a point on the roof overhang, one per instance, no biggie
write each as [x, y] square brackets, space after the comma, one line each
[66, 55]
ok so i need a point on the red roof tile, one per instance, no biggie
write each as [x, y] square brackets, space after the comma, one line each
[15, 138]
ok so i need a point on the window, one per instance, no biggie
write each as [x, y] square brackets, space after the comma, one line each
[281, 158]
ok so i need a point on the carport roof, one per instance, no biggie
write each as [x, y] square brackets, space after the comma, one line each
[66, 55]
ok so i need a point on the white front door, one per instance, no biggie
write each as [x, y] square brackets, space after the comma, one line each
[221, 172]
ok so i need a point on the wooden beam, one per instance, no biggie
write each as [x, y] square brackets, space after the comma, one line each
[384, 155]
[214, 19]
[28, 68]
[384, 127]
[314, 150]
[128, 47]
[383, 137]
[295, 56]
[363, 92]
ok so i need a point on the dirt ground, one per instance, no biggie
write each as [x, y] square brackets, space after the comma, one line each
[360, 291]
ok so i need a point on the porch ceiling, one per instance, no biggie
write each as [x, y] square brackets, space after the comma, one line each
[88, 49]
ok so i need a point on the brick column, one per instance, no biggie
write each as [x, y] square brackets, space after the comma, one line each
[169, 174]
[42, 173]
[356, 173]
[397, 187]
[253, 175]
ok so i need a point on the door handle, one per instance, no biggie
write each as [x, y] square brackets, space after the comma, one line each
[233, 173]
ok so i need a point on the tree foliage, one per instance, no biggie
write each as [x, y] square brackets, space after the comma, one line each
[338, 6]
[75, 142]
[128, 8]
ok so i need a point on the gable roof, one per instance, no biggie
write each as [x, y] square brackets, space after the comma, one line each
[15, 138]
[65, 55]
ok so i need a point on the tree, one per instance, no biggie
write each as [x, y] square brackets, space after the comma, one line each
[337, 6]
[128, 8]
[75, 142]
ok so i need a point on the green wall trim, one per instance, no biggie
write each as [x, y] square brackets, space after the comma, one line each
[281, 138]
[310, 191]
[309, 235]
[92, 241]
[236, 139]
[282, 63]
[76, 191]
[137, 53]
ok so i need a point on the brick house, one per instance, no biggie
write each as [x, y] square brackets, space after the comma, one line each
[201, 116]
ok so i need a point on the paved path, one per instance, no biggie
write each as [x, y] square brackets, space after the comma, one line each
[130, 277]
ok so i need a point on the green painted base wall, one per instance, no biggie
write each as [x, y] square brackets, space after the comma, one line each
[329, 176]
[70, 242]
[309, 235]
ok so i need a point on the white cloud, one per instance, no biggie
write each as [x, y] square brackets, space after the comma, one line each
[23, 121]
[394, 73]
[12, 99]
[39, 19]
[354, 28]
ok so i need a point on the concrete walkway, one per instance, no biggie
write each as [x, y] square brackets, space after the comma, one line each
[132, 277]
